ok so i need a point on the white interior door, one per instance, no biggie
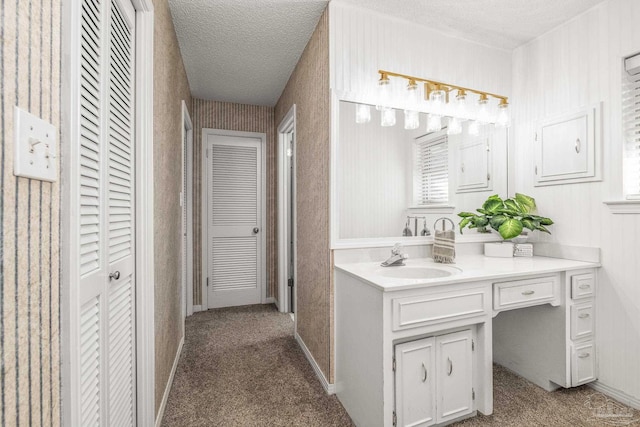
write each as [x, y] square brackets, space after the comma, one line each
[234, 220]
[106, 376]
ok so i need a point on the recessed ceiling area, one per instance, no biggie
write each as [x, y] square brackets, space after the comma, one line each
[504, 24]
[244, 51]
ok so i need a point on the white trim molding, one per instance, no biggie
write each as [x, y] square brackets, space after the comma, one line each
[328, 387]
[616, 394]
[287, 126]
[145, 265]
[624, 206]
[187, 205]
[167, 389]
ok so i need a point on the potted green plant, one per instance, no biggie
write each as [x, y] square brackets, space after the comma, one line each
[508, 217]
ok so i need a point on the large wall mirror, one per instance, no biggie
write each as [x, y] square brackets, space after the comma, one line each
[385, 174]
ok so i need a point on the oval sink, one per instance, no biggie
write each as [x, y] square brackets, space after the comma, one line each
[406, 272]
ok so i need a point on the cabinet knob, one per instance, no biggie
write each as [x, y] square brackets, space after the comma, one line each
[578, 145]
[583, 355]
[584, 286]
[450, 371]
[115, 275]
[255, 230]
[527, 293]
[425, 374]
[583, 315]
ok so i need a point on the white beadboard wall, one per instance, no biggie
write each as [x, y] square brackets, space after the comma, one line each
[578, 64]
[363, 41]
[374, 175]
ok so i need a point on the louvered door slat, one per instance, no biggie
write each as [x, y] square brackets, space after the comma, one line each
[90, 363]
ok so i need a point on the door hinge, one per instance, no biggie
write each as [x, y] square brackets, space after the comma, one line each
[207, 153]
[207, 282]
[536, 170]
[473, 345]
[290, 283]
[536, 137]
[473, 394]
[395, 419]
[488, 177]
[394, 364]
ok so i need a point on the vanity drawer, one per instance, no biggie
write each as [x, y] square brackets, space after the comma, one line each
[582, 285]
[423, 310]
[582, 320]
[524, 293]
[583, 364]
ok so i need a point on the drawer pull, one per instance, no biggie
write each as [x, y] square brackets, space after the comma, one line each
[584, 286]
[583, 315]
[425, 374]
[450, 366]
[527, 293]
[583, 355]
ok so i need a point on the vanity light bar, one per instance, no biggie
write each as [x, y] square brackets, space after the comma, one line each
[432, 85]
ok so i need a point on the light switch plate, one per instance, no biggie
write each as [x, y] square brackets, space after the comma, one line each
[35, 149]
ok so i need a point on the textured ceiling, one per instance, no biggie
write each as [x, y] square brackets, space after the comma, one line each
[245, 50]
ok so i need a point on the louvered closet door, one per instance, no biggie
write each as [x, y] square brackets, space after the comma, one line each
[234, 220]
[106, 352]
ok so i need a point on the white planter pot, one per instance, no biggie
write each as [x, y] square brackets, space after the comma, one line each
[499, 250]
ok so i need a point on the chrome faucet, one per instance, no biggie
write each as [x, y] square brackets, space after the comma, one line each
[397, 257]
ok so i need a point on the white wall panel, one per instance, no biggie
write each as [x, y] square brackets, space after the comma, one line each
[363, 41]
[575, 65]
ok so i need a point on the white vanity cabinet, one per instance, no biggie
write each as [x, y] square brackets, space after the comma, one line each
[413, 352]
[433, 379]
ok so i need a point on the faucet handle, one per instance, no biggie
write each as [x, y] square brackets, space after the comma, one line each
[397, 249]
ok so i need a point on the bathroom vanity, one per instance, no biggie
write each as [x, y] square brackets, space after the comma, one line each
[415, 344]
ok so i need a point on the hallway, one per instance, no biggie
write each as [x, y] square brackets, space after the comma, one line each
[241, 366]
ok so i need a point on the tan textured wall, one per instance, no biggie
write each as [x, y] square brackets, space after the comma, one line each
[29, 221]
[308, 88]
[171, 87]
[239, 117]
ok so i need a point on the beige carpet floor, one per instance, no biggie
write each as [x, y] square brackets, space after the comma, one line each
[242, 367]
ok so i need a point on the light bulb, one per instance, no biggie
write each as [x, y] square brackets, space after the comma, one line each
[454, 127]
[504, 119]
[474, 128]
[363, 113]
[411, 119]
[437, 98]
[387, 116]
[434, 123]
[461, 110]
[483, 110]
[384, 92]
[413, 95]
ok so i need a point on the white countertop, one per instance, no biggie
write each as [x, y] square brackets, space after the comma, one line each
[474, 268]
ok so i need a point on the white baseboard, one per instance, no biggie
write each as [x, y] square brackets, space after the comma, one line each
[197, 308]
[167, 389]
[618, 395]
[270, 300]
[329, 388]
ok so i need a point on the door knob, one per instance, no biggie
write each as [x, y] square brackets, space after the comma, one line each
[255, 230]
[115, 275]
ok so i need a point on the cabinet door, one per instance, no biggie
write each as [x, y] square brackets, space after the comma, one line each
[473, 165]
[415, 383]
[454, 376]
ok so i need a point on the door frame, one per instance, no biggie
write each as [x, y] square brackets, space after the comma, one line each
[187, 209]
[204, 197]
[287, 125]
[144, 211]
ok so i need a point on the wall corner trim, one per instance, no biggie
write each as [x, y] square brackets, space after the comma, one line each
[167, 389]
[328, 388]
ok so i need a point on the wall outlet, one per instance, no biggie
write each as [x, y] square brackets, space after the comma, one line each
[35, 149]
